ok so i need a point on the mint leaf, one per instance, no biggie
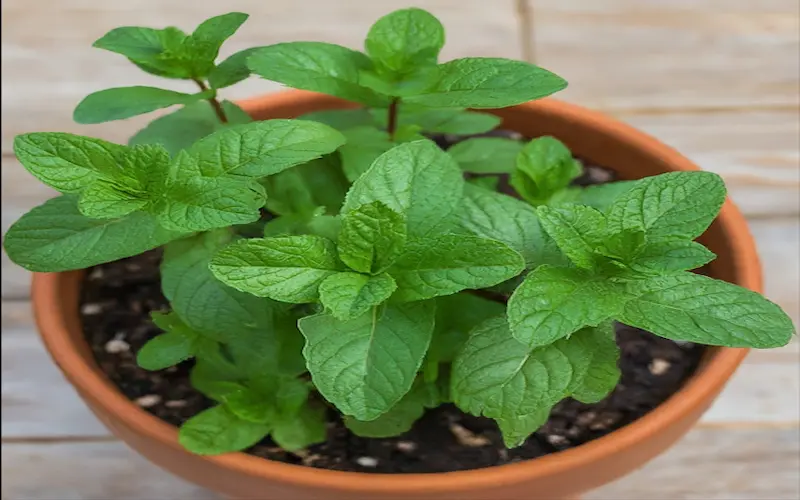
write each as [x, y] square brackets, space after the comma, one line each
[486, 155]
[668, 206]
[451, 263]
[601, 196]
[217, 430]
[456, 315]
[698, 309]
[67, 162]
[671, 256]
[132, 42]
[603, 373]
[342, 119]
[184, 127]
[287, 269]
[400, 417]
[349, 295]
[554, 302]
[232, 70]
[372, 236]
[263, 148]
[209, 36]
[384, 347]
[416, 179]
[440, 121]
[306, 187]
[55, 237]
[498, 377]
[252, 406]
[577, 230]
[487, 82]
[499, 217]
[124, 102]
[364, 145]
[402, 41]
[624, 245]
[201, 203]
[165, 350]
[316, 66]
[106, 200]
[544, 167]
[301, 430]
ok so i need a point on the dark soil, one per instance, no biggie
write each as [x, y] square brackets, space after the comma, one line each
[118, 298]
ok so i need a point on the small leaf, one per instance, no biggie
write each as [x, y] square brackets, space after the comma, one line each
[451, 263]
[302, 430]
[416, 179]
[316, 66]
[601, 196]
[695, 308]
[55, 237]
[496, 376]
[486, 82]
[105, 200]
[499, 217]
[603, 374]
[673, 205]
[132, 42]
[350, 295]
[209, 36]
[384, 350]
[404, 40]
[440, 121]
[362, 147]
[372, 236]
[287, 269]
[400, 417]
[252, 406]
[67, 162]
[124, 102]
[624, 245]
[342, 119]
[306, 187]
[486, 155]
[232, 70]
[217, 430]
[456, 315]
[671, 256]
[577, 230]
[263, 148]
[552, 303]
[544, 167]
[165, 350]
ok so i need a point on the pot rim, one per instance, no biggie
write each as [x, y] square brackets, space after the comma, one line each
[53, 326]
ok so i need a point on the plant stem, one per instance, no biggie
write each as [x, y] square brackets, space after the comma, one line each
[213, 100]
[392, 121]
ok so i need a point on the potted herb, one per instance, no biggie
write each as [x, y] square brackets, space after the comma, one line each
[388, 275]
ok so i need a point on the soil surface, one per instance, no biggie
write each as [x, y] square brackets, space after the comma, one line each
[117, 300]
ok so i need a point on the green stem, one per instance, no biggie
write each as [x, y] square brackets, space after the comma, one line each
[213, 101]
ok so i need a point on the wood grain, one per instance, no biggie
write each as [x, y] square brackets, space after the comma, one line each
[49, 64]
[629, 54]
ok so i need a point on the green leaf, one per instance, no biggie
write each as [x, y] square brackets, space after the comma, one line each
[202, 203]
[487, 82]
[252, 406]
[667, 206]
[132, 42]
[456, 315]
[400, 417]
[342, 119]
[366, 365]
[217, 430]
[577, 230]
[205, 303]
[698, 309]
[372, 236]
[486, 155]
[554, 302]
[263, 148]
[601, 196]
[451, 263]
[214, 376]
[416, 179]
[287, 269]
[232, 70]
[499, 217]
[402, 41]
[55, 237]
[603, 374]
[498, 377]
[304, 188]
[349, 295]
[209, 36]
[165, 350]
[624, 245]
[302, 430]
[189, 124]
[316, 66]
[67, 162]
[440, 121]
[124, 102]
[362, 147]
[106, 200]
[544, 167]
[671, 256]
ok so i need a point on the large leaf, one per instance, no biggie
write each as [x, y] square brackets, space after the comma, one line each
[125, 102]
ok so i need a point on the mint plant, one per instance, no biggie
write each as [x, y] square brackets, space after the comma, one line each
[343, 261]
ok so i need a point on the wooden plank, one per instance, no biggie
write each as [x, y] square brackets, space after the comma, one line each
[707, 464]
[629, 54]
[49, 64]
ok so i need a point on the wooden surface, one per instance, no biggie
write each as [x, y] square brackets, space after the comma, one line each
[716, 79]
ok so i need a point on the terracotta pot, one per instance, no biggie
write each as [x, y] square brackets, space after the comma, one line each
[590, 135]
